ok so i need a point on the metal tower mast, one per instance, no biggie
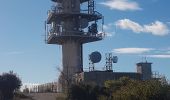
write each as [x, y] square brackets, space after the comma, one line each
[70, 27]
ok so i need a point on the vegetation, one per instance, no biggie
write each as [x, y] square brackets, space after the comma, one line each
[9, 83]
[127, 89]
[122, 89]
[84, 92]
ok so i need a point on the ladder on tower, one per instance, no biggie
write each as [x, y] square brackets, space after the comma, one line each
[91, 7]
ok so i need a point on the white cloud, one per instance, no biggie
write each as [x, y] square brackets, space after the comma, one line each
[109, 29]
[159, 56]
[129, 25]
[107, 34]
[110, 34]
[156, 28]
[122, 5]
[150, 52]
[132, 50]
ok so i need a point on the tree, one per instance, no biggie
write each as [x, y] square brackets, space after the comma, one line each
[122, 89]
[84, 92]
[128, 89]
[9, 83]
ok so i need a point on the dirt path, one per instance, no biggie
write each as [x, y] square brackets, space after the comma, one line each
[42, 96]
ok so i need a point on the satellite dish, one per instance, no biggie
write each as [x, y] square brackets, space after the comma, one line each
[115, 59]
[95, 57]
[84, 23]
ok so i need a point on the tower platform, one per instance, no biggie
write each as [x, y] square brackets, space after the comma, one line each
[60, 39]
[59, 15]
[59, 1]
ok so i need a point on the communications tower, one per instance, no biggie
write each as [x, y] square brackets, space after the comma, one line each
[71, 27]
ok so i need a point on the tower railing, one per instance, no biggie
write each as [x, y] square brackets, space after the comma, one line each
[58, 10]
[84, 34]
[51, 12]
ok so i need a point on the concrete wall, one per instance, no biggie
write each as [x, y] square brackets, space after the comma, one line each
[72, 57]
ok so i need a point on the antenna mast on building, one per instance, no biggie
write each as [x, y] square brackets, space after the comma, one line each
[109, 61]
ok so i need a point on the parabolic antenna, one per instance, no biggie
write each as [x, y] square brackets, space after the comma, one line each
[95, 57]
[115, 59]
[84, 23]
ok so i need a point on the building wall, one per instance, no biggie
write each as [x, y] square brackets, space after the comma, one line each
[144, 72]
[144, 68]
[99, 77]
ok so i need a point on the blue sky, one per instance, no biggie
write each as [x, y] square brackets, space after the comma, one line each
[135, 29]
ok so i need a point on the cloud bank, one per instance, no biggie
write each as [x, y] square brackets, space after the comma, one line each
[159, 56]
[155, 28]
[131, 50]
[151, 52]
[122, 5]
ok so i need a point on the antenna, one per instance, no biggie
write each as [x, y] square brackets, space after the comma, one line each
[144, 59]
[91, 65]
[102, 23]
[109, 60]
[91, 6]
[94, 57]
[45, 26]
[115, 59]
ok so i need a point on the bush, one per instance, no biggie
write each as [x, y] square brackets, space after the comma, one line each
[122, 89]
[9, 82]
[84, 92]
